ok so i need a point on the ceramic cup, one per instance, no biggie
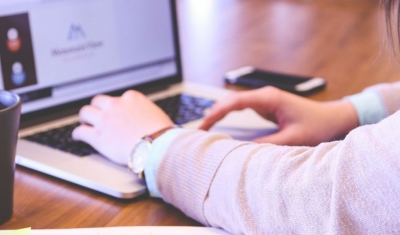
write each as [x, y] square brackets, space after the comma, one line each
[10, 110]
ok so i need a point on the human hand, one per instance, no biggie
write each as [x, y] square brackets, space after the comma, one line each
[301, 121]
[112, 125]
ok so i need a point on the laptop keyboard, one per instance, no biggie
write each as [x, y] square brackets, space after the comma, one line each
[180, 108]
[61, 139]
[184, 108]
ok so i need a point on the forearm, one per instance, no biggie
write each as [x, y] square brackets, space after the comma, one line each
[337, 187]
[390, 95]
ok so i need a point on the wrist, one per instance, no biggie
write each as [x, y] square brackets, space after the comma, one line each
[139, 154]
[345, 116]
[157, 154]
[369, 107]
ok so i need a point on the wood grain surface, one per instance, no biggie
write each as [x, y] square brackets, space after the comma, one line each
[340, 40]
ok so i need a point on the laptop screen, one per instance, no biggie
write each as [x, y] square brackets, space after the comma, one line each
[57, 51]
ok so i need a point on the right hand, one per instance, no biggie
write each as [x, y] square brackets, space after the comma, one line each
[301, 121]
[112, 125]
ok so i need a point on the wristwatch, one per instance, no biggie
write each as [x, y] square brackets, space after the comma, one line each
[141, 150]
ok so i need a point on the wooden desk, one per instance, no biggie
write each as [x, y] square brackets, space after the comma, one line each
[338, 40]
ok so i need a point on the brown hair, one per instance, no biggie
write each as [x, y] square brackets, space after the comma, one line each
[392, 9]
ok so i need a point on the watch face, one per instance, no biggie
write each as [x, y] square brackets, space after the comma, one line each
[139, 156]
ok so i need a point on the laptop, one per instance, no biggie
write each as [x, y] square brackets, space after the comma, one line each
[58, 54]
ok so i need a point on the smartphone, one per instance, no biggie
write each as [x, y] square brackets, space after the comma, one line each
[252, 77]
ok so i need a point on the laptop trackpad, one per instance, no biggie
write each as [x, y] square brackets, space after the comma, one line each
[245, 125]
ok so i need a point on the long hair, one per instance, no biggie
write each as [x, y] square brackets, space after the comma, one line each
[392, 12]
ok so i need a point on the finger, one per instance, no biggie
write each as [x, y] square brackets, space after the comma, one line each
[132, 94]
[216, 113]
[234, 102]
[90, 115]
[210, 119]
[102, 101]
[86, 134]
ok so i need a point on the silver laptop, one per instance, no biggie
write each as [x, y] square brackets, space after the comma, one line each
[58, 54]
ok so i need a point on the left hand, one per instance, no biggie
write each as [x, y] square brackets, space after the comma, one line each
[112, 125]
[301, 121]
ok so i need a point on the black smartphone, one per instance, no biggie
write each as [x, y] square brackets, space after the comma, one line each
[252, 77]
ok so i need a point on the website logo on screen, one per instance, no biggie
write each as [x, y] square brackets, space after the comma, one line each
[13, 40]
[78, 42]
[76, 32]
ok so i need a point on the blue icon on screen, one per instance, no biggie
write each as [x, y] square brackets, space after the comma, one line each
[18, 75]
[76, 32]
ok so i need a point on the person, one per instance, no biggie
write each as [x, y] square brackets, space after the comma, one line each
[299, 180]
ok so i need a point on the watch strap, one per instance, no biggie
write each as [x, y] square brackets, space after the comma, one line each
[155, 135]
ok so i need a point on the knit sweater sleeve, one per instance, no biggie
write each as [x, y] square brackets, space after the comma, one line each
[376, 102]
[390, 94]
[344, 187]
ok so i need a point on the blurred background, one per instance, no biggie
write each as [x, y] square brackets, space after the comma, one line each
[342, 40]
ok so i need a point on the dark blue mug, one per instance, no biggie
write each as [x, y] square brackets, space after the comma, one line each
[10, 111]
